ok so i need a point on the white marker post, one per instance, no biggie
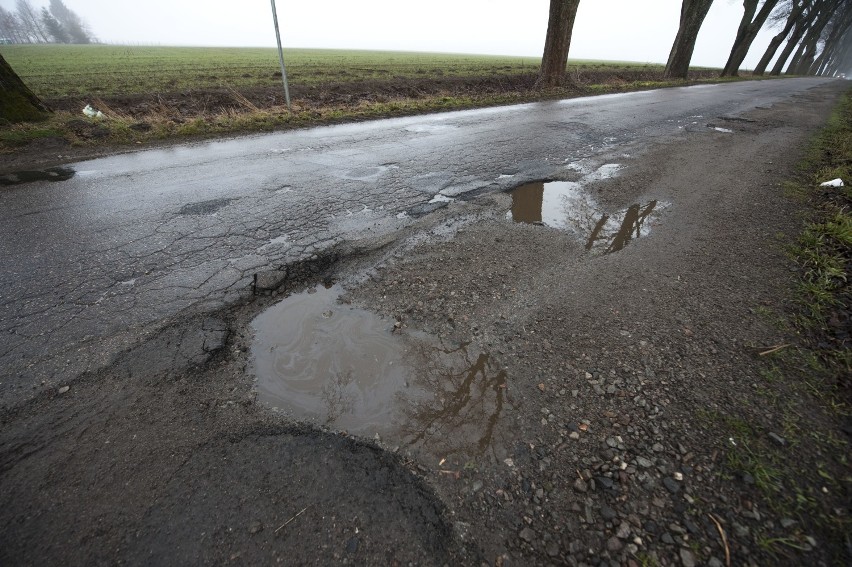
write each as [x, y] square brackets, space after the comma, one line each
[281, 55]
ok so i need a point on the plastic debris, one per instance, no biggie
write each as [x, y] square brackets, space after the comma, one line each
[92, 113]
[833, 183]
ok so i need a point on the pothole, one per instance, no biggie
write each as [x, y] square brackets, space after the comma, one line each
[208, 207]
[50, 174]
[566, 205]
[327, 362]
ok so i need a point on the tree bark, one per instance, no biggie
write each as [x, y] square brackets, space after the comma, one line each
[17, 101]
[692, 14]
[560, 24]
[805, 56]
[750, 25]
[796, 12]
[805, 21]
[842, 62]
[841, 23]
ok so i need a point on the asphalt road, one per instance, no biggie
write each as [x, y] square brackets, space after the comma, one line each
[93, 264]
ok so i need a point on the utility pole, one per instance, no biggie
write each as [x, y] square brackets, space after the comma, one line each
[281, 56]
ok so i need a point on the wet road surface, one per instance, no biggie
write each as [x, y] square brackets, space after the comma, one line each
[95, 262]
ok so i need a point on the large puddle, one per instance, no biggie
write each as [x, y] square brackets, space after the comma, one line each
[566, 205]
[344, 367]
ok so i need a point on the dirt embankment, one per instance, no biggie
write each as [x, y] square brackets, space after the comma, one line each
[194, 103]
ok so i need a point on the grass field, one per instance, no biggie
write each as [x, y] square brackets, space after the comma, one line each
[150, 94]
[77, 70]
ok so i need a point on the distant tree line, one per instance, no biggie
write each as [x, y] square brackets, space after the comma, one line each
[57, 24]
[818, 35]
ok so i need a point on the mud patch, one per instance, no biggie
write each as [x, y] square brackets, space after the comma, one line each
[204, 207]
[566, 205]
[330, 363]
[50, 174]
[265, 494]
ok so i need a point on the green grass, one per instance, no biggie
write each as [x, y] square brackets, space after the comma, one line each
[54, 71]
[824, 248]
[83, 70]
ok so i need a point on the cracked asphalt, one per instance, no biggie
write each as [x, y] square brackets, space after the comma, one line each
[131, 428]
[93, 263]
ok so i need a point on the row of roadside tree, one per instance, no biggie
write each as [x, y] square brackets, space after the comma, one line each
[818, 35]
[56, 24]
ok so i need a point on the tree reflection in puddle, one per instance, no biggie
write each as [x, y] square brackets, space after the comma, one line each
[611, 234]
[336, 397]
[465, 395]
[568, 206]
[330, 363]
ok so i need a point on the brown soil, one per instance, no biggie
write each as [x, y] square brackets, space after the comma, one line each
[194, 103]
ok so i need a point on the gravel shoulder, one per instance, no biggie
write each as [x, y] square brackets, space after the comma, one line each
[638, 425]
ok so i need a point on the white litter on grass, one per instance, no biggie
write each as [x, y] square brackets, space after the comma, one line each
[833, 183]
[441, 199]
[504, 176]
[725, 130]
[92, 113]
[402, 215]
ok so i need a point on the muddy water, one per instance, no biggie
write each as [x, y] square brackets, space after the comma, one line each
[333, 364]
[568, 206]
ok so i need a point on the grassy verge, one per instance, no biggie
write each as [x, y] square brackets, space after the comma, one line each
[795, 451]
[151, 94]
[824, 249]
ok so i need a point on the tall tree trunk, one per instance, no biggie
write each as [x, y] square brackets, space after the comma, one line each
[692, 14]
[560, 24]
[17, 101]
[843, 63]
[750, 25]
[775, 43]
[805, 56]
[805, 22]
[841, 25]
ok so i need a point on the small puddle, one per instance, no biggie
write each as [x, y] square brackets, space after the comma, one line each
[345, 367]
[50, 174]
[565, 205]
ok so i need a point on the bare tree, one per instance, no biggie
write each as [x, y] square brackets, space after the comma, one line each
[749, 27]
[806, 53]
[54, 28]
[804, 22]
[11, 28]
[692, 14]
[840, 61]
[17, 101]
[29, 18]
[73, 25]
[789, 12]
[560, 24]
[839, 24]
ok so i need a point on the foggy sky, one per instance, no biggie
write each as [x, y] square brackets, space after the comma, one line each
[624, 30]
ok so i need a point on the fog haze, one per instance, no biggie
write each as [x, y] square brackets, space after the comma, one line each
[625, 30]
